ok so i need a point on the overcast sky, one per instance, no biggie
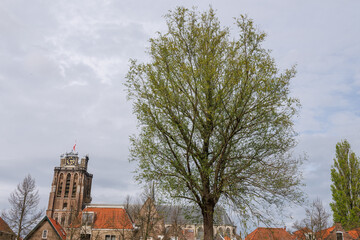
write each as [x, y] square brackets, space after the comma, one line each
[63, 65]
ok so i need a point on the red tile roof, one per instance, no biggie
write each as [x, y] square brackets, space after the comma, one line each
[60, 231]
[324, 233]
[4, 227]
[354, 233]
[300, 234]
[110, 218]
[269, 234]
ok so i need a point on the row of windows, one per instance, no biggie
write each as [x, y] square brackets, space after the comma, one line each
[110, 237]
[67, 185]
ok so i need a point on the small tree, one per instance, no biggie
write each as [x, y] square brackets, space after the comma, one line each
[148, 218]
[316, 220]
[215, 116]
[345, 175]
[24, 213]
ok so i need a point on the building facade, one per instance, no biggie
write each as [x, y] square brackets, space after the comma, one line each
[47, 229]
[70, 208]
[70, 189]
[5, 231]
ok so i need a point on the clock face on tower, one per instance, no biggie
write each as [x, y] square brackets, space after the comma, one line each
[70, 161]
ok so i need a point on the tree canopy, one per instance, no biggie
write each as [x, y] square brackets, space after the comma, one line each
[345, 187]
[216, 117]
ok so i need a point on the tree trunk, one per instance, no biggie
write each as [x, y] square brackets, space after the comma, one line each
[208, 218]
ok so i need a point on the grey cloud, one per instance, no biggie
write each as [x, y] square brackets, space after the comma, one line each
[63, 65]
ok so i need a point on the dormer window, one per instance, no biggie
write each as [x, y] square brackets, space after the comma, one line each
[309, 236]
[87, 218]
[44, 234]
[339, 236]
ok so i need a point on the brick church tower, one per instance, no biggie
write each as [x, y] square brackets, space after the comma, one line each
[70, 189]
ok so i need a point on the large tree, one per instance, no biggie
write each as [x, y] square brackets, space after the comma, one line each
[24, 212]
[345, 175]
[215, 116]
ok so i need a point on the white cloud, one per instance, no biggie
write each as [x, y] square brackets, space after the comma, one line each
[63, 65]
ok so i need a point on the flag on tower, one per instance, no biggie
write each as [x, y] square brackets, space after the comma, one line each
[74, 147]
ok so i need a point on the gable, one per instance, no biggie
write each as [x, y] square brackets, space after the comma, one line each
[53, 228]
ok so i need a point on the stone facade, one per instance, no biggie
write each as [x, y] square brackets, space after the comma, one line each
[5, 231]
[69, 206]
[47, 229]
[70, 188]
[336, 232]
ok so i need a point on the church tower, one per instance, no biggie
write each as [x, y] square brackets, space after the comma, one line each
[70, 188]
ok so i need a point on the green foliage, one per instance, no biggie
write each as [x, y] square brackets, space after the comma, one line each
[215, 116]
[345, 175]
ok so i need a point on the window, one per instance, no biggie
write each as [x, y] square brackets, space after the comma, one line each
[110, 237]
[65, 205]
[87, 218]
[73, 194]
[44, 234]
[85, 237]
[339, 236]
[67, 186]
[60, 185]
[309, 236]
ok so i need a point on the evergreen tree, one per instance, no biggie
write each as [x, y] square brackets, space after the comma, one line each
[345, 175]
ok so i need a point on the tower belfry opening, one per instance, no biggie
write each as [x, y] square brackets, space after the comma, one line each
[70, 188]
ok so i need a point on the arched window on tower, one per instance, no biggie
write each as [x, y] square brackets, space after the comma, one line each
[67, 186]
[73, 194]
[60, 185]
